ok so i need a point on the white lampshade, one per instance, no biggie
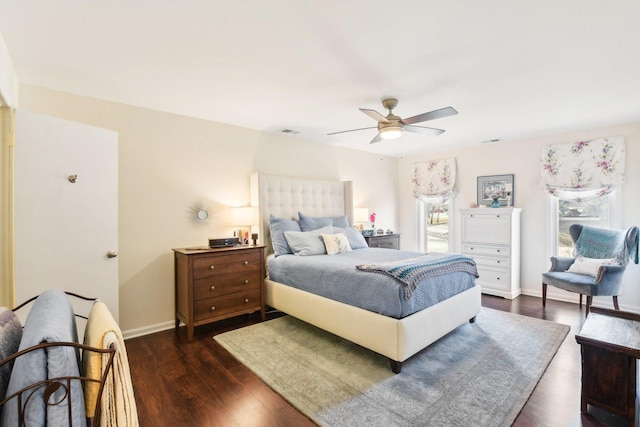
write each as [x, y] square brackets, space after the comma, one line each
[360, 215]
[243, 216]
[390, 132]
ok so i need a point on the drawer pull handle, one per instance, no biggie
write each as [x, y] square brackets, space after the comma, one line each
[246, 263]
[246, 281]
[498, 250]
[212, 308]
[497, 262]
[212, 288]
[497, 278]
[211, 267]
[246, 300]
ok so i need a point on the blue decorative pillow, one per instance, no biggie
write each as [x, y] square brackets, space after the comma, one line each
[278, 226]
[304, 243]
[309, 223]
[340, 221]
[355, 238]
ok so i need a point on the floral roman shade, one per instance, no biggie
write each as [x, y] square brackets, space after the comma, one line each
[433, 181]
[583, 170]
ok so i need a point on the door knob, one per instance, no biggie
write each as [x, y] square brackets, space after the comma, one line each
[112, 254]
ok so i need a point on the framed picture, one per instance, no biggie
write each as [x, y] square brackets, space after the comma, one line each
[500, 186]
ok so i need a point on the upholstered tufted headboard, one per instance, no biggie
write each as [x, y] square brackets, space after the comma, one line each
[285, 196]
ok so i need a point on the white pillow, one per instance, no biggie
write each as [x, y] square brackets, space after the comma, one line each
[336, 243]
[303, 243]
[589, 266]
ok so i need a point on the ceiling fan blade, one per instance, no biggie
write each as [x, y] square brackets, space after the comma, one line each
[424, 130]
[378, 138]
[435, 114]
[375, 115]
[351, 130]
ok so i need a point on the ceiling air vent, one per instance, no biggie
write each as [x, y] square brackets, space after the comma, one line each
[290, 131]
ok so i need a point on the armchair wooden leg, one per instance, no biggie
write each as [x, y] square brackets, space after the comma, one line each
[589, 300]
[615, 302]
[544, 295]
[580, 301]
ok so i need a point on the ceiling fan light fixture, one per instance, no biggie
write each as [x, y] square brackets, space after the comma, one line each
[391, 132]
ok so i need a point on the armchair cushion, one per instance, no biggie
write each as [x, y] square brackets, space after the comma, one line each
[607, 282]
[589, 266]
[579, 283]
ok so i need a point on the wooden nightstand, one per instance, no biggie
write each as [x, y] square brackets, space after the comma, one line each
[389, 241]
[215, 284]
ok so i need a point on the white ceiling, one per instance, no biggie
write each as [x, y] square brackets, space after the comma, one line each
[513, 69]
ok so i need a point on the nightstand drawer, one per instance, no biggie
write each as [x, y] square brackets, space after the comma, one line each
[247, 260]
[384, 241]
[227, 304]
[216, 286]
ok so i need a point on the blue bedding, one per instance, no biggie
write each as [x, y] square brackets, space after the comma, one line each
[336, 277]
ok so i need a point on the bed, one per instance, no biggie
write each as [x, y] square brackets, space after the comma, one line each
[396, 338]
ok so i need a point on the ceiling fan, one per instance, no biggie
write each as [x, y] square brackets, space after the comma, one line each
[392, 126]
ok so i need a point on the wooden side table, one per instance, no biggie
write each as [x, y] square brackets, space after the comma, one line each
[389, 241]
[215, 284]
[610, 347]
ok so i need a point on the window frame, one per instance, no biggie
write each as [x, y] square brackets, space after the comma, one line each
[615, 218]
[421, 225]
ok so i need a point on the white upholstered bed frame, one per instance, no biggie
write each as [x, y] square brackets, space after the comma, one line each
[397, 339]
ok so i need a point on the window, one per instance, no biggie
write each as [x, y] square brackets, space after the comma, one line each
[434, 226]
[599, 212]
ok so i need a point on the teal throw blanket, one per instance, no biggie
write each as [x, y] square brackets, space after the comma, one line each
[605, 243]
[410, 272]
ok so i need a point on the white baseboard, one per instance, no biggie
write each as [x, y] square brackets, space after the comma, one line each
[146, 330]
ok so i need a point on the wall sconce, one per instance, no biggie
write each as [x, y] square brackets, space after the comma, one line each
[244, 218]
[360, 217]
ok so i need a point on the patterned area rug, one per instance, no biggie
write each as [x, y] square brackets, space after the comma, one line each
[480, 374]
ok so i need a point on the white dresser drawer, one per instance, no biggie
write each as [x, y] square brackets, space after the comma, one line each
[494, 278]
[492, 262]
[469, 249]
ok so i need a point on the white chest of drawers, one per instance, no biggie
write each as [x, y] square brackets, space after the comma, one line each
[491, 236]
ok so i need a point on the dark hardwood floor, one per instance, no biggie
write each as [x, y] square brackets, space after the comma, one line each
[198, 383]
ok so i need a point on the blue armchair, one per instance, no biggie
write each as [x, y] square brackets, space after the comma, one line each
[601, 256]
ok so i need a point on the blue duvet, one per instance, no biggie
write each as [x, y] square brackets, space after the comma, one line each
[336, 277]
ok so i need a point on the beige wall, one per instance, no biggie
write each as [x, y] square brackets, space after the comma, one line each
[169, 163]
[522, 158]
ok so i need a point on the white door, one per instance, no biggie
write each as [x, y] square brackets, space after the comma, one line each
[66, 227]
